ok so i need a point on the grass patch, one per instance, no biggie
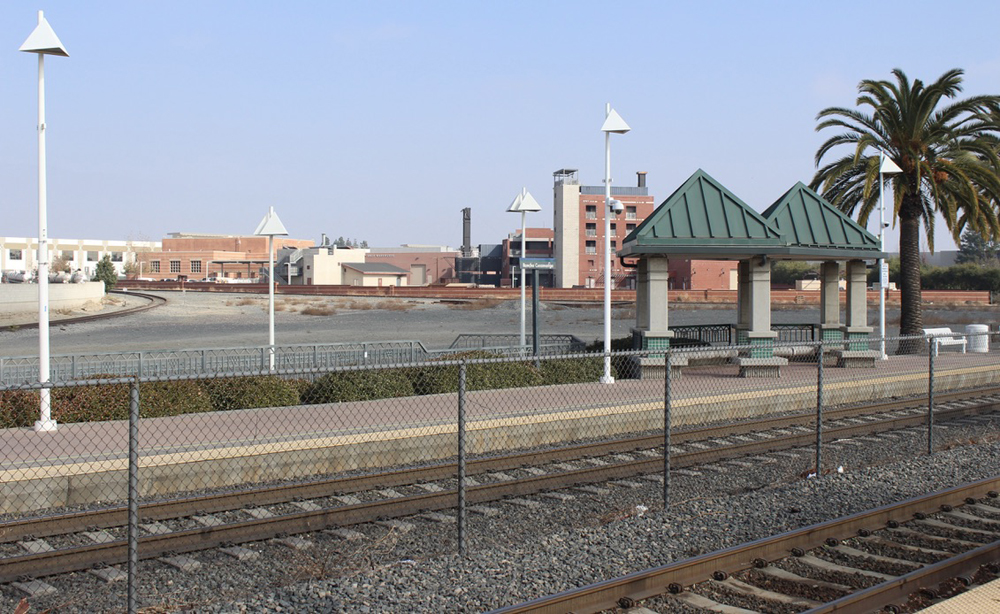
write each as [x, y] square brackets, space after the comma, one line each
[477, 304]
[318, 310]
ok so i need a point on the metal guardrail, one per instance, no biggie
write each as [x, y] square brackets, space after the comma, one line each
[160, 363]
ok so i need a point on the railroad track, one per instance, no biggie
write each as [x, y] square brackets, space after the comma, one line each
[84, 539]
[154, 301]
[902, 557]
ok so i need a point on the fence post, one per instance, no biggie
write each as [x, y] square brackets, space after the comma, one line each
[204, 364]
[461, 459]
[819, 410]
[133, 493]
[932, 349]
[139, 369]
[667, 385]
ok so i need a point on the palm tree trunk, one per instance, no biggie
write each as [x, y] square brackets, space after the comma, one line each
[911, 319]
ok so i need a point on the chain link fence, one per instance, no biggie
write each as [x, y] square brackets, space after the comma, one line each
[132, 436]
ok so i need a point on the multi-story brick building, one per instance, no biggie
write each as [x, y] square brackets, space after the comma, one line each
[578, 221]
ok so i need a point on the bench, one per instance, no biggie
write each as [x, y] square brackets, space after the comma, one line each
[944, 336]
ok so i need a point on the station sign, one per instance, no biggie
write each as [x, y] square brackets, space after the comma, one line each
[538, 263]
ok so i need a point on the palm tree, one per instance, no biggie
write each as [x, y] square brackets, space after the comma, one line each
[947, 150]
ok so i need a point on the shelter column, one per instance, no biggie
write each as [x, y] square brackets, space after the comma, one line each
[857, 330]
[760, 333]
[743, 324]
[829, 301]
[761, 362]
[651, 305]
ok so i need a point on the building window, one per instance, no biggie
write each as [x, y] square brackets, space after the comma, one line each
[92, 256]
[67, 255]
[591, 212]
[591, 247]
[590, 262]
[630, 213]
[614, 228]
[591, 230]
[15, 254]
[175, 266]
[629, 227]
[196, 266]
[614, 245]
[154, 266]
[116, 256]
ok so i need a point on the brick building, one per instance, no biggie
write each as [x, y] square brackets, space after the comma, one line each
[186, 256]
[578, 222]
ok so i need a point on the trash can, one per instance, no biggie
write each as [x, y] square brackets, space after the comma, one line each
[979, 338]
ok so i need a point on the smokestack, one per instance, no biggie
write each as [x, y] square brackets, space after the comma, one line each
[467, 232]
[324, 240]
[642, 178]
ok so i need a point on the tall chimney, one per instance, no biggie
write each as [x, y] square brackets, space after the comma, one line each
[642, 178]
[467, 232]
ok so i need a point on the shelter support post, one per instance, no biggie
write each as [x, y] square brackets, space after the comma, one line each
[760, 361]
[856, 332]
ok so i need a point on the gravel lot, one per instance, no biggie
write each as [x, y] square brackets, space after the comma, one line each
[526, 553]
[213, 320]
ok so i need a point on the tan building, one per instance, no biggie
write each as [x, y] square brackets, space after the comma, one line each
[373, 274]
[323, 266]
[578, 221]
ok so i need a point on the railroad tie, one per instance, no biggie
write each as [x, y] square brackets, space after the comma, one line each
[700, 601]
[240, 554]
[35, 588]
[742, 588]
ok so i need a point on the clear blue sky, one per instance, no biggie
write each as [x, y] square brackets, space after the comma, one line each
[382, 120]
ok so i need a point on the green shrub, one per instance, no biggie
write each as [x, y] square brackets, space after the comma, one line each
[437, 379]
[345, 386]
[18, 408]
[572, 370]
[250, 392]
[111, 401]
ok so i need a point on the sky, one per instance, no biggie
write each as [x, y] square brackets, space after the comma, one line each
[380, 121]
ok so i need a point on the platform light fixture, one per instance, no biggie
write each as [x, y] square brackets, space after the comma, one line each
[886, 167]
[523, 203]
[43, 41]
[613, 124]
[270, 227]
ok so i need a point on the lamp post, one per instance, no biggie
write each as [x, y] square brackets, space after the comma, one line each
[613, 123]
[523, 203]
[43, 41]
[886, 167]
[270, 226]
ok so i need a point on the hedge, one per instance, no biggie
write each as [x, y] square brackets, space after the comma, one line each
[251, 392]
[345, 386]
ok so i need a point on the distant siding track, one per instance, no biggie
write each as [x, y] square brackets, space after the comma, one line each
[154, 301]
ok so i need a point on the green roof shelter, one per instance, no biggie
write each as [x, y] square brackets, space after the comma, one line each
[704, 220]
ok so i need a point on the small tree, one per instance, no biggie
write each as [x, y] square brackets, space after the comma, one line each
[59, 265]
[977, 249]
[131, 269]
[106, 273]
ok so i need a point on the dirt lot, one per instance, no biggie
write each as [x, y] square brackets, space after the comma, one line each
[196, 320]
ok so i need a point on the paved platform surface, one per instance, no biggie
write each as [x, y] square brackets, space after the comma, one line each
[980, 600]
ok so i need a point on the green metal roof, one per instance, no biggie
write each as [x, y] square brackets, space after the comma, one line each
[805, 220]
[702, 218]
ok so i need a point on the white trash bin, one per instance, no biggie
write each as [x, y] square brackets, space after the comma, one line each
[979, 338]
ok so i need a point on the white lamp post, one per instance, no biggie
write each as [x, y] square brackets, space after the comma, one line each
[613, 123]
[523, 203]
[270, 226]
[886, 167]
[43, 41]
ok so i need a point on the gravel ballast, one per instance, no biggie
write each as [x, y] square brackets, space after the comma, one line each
[527, 552]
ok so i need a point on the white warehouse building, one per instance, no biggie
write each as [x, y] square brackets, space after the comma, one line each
[21, 253]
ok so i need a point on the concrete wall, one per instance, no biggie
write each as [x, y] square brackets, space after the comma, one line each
[23, 298]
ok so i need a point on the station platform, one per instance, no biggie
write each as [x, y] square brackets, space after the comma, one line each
[84, 463]
[983, 599]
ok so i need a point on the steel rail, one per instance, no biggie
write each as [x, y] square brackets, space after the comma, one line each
[205, 504]
[659, 580]
[154, 301]
[83, 557]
